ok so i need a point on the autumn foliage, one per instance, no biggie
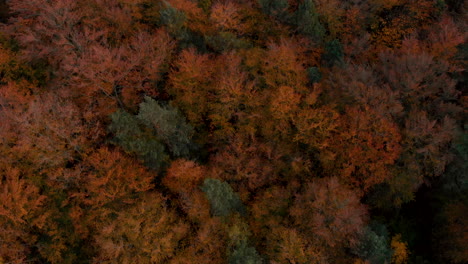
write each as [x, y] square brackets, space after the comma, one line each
[233, 131]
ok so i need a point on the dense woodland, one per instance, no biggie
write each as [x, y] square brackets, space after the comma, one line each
[233, 131]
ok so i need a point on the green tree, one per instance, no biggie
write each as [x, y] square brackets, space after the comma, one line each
[276, 8]
[244, 254]
[149, 133]
[333, 53]
[314, 74]
[169, 126]
[307, 21]
[241, 252]
[374, 246]
[174, 20]
[222, 197]
[133, 139]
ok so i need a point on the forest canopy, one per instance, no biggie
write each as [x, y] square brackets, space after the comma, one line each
[233, 131]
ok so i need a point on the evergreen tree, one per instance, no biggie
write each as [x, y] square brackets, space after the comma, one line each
[169, 126]
[174, 20]
[133, 139]
[243, 254]
[222, 197]
[307, 21]
[333, 53]
[151, 131]
[314, 75]
[374, 246]
[275, 8]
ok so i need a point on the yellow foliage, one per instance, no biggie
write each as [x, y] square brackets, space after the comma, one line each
[400, 250]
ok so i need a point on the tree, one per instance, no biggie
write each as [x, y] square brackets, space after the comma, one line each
[209, 241]
[244, 254]
[358, 85]
[275, 8]
[422, 82]
[189, 83]
[21, 212]
[222, 198]
[226, 41]
[205, 5]
[230, 131]
[15, 70]
[133, 139]
[231, 108]
[400, 250]
[444, 38]
[314, 123]
[425, 154]
[81, 44]
[248, 164]
[332, 14]
[370, 145]
[50, 131]
[175, 22]
[184, 178]
[307, 21]
[34, 23]
[283, 65]
[240, 250]
[314, 75]
[169, 126]
[430, 148]
[197, 20]
[151, 131]
[14, 102]
[330, 212]
[227, 16]
[288, 245]
[395, 19]
[118, 18]
[334, 53]
[41, 135]
[146, 232]
[113, 72]
[374, 247]
[111, 176]
[284, 105]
